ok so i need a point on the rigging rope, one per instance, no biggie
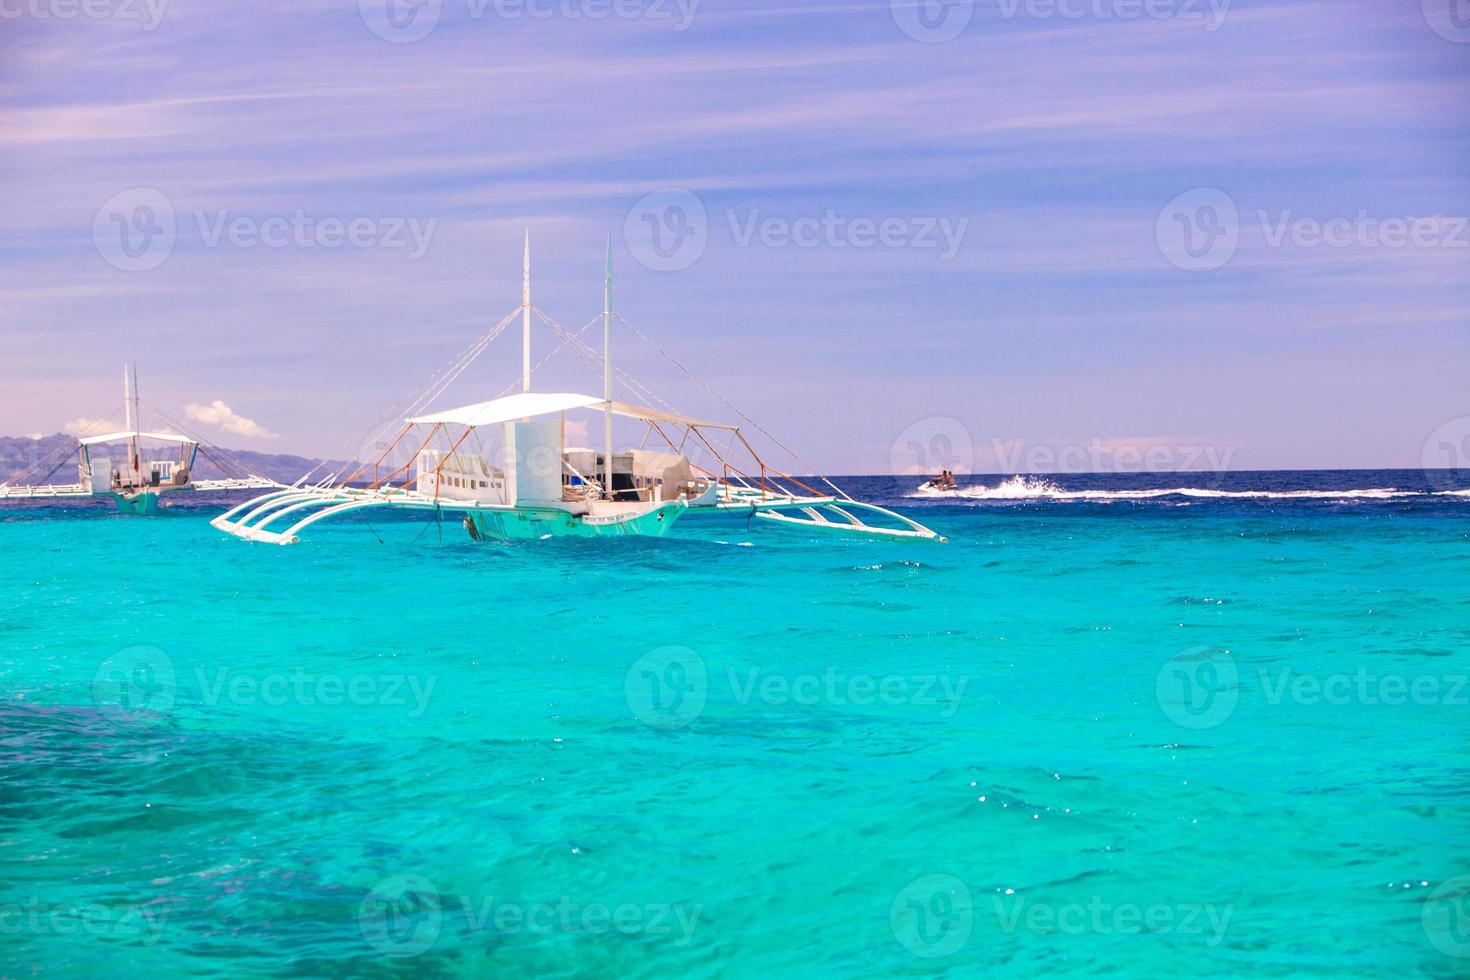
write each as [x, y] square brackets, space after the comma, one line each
[728, 404]
[416, 398]
[593, 359]
[230, 469]
[65, 453]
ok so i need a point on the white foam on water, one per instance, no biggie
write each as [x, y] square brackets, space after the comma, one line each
[1039, 488]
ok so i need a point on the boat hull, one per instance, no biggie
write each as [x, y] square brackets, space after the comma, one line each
[535, 523]
[141, 504]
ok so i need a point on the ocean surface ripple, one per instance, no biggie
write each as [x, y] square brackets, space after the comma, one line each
[1129, 725]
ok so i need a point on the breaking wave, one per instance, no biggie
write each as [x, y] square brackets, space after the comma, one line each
[1040, 488]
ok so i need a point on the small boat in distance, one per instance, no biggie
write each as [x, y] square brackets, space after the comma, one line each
[505, 467]
[140, 477]
[943, 483]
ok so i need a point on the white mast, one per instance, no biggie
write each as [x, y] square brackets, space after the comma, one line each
[607, 389]
[526, 317]
[127, 397]
[130, 411]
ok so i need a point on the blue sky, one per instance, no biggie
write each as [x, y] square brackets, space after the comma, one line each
[1101, 222]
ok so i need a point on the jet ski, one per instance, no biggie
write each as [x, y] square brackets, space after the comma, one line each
[945, 482]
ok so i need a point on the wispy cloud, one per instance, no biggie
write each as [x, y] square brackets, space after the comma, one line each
[1060, 140]
[222, 416]
[91, 427]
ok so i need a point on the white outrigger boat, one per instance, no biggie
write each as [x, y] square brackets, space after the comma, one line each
[531, 484]
[138, 483]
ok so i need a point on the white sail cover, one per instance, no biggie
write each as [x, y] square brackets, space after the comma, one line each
[527, 404]
[115, 436]
[530, 404]
[658, 415]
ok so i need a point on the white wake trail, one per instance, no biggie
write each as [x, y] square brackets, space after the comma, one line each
[1039, 488]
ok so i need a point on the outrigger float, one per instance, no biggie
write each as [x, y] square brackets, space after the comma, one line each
[528, 483]
[138, 483]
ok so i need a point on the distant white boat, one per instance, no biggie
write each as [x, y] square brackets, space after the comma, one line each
[538, 486]
[139, 482]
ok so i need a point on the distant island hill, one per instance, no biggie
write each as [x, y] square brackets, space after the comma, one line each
[18, 453]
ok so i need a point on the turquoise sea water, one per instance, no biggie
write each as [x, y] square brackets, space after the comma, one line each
[1092, 735]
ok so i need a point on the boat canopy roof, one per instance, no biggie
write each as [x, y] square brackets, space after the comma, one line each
[159, 436]
[524, 405]
[529, 404]
[656, 415]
